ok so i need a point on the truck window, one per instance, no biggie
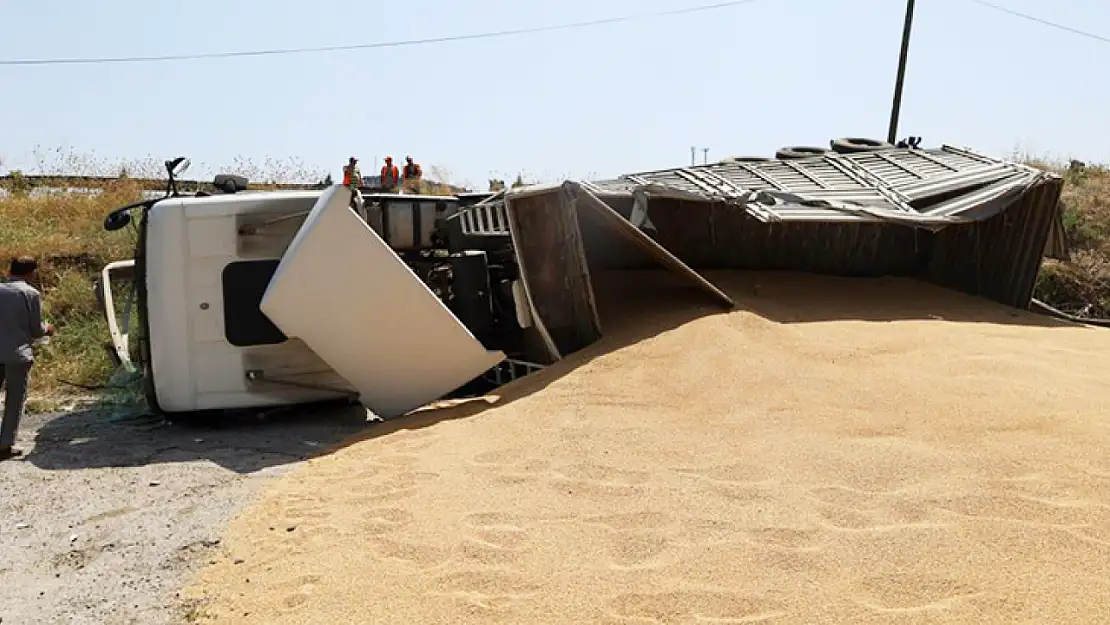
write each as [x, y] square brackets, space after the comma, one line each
[244, 283]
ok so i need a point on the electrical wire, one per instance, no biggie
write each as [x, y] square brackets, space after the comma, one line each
[383, 44]
[1074, 31]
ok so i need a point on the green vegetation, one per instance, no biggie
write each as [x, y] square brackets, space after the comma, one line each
[1081, 286]
[64, 231]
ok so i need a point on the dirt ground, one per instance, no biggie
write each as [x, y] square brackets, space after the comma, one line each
[105, 518]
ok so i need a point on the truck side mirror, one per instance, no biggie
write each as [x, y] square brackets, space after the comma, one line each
[117, 220]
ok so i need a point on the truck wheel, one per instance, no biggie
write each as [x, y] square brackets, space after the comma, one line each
[852, 145]
[799, 151]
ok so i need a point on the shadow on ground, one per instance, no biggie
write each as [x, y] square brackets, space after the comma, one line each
[97, 439]
[791, 297]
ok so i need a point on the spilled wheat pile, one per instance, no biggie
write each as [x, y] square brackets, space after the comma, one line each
[833, 451]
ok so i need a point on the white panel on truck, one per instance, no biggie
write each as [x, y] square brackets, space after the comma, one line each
[353, 301]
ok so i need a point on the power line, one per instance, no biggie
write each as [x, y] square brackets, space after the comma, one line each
[381, 44]
[1045, 22]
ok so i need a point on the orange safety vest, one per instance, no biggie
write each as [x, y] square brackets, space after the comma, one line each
[351, 175]
[412, 171]
[389, 174]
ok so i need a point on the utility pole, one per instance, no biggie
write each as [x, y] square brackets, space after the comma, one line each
[705, 156]
[896, 108]
[693, 156]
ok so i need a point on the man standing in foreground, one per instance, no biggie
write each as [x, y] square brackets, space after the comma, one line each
[20, 325]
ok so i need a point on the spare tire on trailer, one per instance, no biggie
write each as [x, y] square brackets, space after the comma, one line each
[852, 145]
[799, 151]
[745, 159]
[230, 183]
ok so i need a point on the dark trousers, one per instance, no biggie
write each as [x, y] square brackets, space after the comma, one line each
[14, 377]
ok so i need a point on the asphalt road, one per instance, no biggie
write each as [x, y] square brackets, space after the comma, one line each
[107, 516]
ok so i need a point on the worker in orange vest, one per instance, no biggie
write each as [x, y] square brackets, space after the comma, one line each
[352, 178]
[411, 175]
[390, 175]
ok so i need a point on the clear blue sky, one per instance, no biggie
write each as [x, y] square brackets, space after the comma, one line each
[597, 101]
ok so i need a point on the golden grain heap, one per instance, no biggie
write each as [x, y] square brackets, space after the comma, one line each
[833, 451]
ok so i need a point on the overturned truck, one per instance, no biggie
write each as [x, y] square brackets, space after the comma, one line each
[258, 299]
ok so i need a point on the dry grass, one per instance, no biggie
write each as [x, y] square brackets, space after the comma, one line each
[1082, 285]
[64, 231]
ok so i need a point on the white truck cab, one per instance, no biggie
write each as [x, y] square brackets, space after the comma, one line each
[267, 298]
